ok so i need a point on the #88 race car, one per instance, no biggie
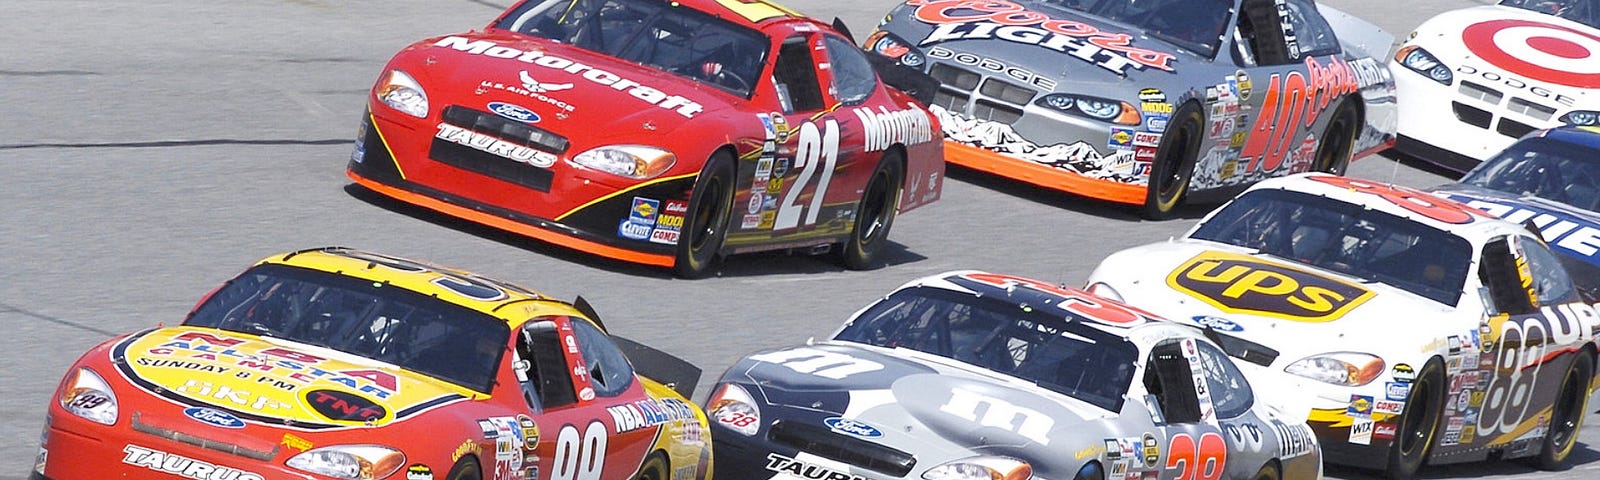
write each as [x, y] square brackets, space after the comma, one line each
[341, 364]
[1412, 327]
[980, 376]
[1146, 102]
[662, 133]
[1500, 72]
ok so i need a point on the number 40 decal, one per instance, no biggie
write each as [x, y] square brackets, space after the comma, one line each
[815, 147]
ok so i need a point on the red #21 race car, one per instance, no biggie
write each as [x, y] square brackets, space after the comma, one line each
[662, 133]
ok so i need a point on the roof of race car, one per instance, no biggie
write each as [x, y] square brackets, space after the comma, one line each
[1405, 202]
[1106, 315]
[486, 295]
[745, 12]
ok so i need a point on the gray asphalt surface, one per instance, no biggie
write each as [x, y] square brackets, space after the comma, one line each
[151, 149]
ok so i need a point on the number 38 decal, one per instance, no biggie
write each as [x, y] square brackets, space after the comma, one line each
[814, 147]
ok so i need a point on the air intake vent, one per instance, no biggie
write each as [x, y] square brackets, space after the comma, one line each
[1474, 116]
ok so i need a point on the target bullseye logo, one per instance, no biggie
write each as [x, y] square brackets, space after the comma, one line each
[1539, 51]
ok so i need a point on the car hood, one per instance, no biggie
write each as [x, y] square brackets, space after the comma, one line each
[1471, 42]
[1573, 231]
[274, 381]
[567, 89]
[1346, 313]
[1044, 52]
[922, 403]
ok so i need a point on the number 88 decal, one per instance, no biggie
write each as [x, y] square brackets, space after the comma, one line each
[1506, 401]
[814, 147]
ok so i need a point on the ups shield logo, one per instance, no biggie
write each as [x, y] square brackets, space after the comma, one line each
[1241, 284]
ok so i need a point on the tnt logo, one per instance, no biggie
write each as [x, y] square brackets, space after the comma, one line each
[1237, 283]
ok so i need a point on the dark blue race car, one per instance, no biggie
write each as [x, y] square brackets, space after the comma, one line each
[1550, 179]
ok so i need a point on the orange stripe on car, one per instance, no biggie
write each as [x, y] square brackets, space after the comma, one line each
[557, 238]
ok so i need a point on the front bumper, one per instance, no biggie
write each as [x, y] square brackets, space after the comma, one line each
[81, 449]
[592, 227]
[1460, 125]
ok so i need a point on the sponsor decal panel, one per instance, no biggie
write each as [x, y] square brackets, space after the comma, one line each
[643, 414]
[884, 128]
[641, 219]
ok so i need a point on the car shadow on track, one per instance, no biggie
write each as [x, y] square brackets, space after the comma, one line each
[743, 265]
[1067, 201]
[1582, 455]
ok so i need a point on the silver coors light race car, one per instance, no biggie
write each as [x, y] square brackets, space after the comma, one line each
[1149, 102]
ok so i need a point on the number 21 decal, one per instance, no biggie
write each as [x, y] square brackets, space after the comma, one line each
[814, 147]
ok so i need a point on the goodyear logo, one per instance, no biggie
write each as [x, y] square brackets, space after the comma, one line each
[1238, 283]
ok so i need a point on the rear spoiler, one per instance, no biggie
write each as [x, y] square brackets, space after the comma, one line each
[1358, 34]
[914, 82]
[1242, 349]
[676, 373]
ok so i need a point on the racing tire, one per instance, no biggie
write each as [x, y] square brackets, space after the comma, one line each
[1269, 472]
[654, 468]
[1419, 424]
[1338, 140]
[1174, 163]
[706, 223]
[1572, 402]
[466, 469]
[880, 201]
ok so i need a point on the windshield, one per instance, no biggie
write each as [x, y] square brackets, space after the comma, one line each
[1065, 357]
[1581, 11]
[361, 318]
[662, 35]
[1544, 168]
[1195, 25]
[1345, 238]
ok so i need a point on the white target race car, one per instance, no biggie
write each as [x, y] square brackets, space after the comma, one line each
[1413, 328]
[1471, 81]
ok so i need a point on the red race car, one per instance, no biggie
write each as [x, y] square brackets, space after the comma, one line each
[341, 364]
[662, 133]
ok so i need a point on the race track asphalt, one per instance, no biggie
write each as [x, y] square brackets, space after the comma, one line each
[150, 149]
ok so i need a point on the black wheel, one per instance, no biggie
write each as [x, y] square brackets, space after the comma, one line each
[1269, 472]
[706, 224]
[1338, 140]
[465, 469]
[654, 468]
[879, 203]
[1418, 424]
[1572, 401]
[1174, 163]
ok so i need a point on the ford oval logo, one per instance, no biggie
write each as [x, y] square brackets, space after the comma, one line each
[1218, 323]
[514, 112]
[852, 427]
[214, 417]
